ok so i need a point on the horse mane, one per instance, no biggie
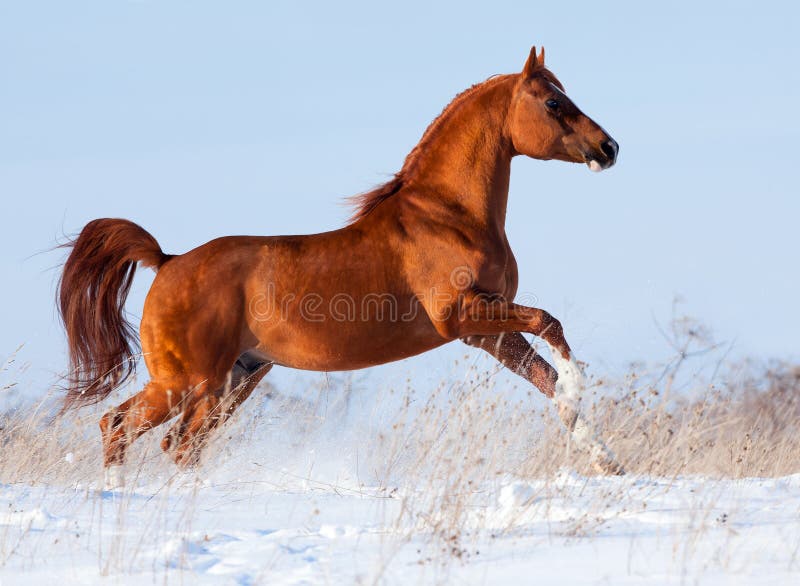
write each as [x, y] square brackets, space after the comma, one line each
[365, 202]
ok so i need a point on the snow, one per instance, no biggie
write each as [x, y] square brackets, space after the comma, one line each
[345, 487]
[569, 529]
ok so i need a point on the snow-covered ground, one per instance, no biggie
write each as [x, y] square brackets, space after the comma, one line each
[566, 530]
[464, 485]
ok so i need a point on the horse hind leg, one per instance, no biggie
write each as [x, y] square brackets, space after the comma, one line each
[120, 426]
[206, 411]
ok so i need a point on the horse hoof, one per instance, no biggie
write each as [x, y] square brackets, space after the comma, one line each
[166, 443]
[186, 457]
[609, 468]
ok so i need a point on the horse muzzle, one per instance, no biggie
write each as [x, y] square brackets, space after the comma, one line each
[604, 157]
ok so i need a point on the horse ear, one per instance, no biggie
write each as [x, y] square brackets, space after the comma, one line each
[533, 63]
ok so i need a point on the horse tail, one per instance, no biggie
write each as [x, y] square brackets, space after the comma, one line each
[91, 297]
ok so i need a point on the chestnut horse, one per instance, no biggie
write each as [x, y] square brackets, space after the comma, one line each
[424, 261]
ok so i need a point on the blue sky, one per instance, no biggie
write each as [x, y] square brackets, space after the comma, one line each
[201, 119]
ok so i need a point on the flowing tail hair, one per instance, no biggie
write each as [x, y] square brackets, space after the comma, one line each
[91, 297]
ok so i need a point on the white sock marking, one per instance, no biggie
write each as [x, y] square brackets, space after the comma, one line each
[569, 389]
[113, 478]
[570, 383]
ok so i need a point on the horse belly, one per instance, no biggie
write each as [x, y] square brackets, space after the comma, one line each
[332, 344]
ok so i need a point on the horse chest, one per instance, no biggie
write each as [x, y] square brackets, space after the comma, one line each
[495, 271]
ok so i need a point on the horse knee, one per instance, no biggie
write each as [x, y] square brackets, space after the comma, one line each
[549, 326]
[552, 332]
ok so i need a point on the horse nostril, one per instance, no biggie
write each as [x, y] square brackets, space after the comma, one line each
[609, 149]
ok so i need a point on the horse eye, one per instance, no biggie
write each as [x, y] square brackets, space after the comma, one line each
[552, 104]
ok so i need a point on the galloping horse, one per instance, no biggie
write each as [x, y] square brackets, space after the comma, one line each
[424, 261]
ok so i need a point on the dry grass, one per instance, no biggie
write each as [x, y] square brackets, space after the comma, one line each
[742, 427]
[741, 424]
[696, 414]
[445, 455]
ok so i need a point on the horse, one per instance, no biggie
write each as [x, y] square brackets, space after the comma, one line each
[423, 261]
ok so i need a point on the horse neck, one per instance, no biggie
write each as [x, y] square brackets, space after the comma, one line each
[464, 159]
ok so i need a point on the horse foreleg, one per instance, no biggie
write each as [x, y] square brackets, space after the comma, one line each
[495, 328]
[513, 351]
[206, 411]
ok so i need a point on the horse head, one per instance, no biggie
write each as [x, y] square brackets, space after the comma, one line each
[545, 123]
